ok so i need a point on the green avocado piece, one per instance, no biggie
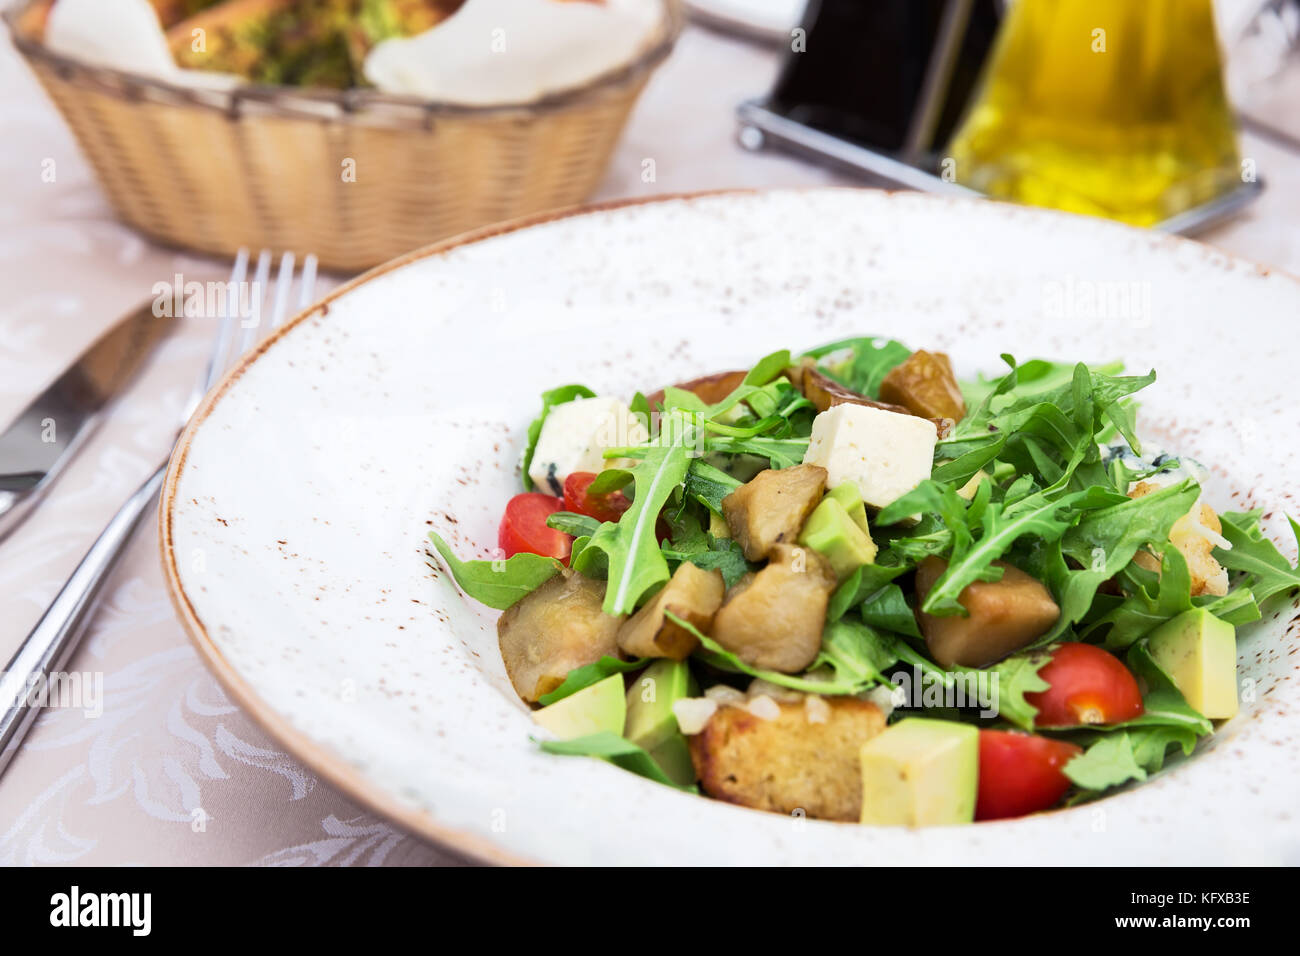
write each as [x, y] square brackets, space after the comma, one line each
[850, 497]
[832, 533]
[599, 707]
[921, 772]
[650, 699]
[674, 759]
[1199, 653]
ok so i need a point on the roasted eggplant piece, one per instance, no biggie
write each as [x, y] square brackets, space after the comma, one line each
[1004, 616]
[773, 619]
[824, 392]
[771, 507]
[802, 758]
[692, 594]
[925, 385]
[709, 389]
[554, 629]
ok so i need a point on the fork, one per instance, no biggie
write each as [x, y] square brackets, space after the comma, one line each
[56, 635]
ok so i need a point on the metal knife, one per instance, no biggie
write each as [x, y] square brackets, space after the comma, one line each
[43, 438]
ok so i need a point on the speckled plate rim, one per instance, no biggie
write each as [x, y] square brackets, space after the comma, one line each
[323, 759]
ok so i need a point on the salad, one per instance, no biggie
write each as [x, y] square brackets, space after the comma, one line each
[849, 586]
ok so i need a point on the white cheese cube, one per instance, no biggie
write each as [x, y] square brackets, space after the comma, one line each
[886, 454]
[575, 436]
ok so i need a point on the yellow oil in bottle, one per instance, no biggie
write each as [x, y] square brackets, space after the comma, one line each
[1113, 108]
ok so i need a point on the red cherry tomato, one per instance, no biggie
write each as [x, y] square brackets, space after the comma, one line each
[1088, 686]
[1020, 773]
[523, 527]
[577, 498]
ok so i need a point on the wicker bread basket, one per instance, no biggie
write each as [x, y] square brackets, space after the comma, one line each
[263, 166]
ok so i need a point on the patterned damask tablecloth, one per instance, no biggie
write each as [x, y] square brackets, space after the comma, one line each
[171, 772]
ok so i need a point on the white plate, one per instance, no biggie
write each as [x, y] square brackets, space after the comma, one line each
[769, 19]
[294, 520]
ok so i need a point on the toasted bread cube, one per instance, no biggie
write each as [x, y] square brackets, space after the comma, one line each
[771, 508]
[692, 594]
[800, 760]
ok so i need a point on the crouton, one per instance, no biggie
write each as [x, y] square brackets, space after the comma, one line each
[1197, 548]
[789, 763]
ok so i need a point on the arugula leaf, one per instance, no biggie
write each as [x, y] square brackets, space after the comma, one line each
[848, 662]
[780, 452]
[498, 584]
[888, 610]
[1267, 572]
[1001, 524]
[1104, 542]
[709, 485]
[1151, 744]
[722, 554]
[859, 586]
[609, 746]
[870, 360]
[588, 674]
[1018, 676]
[556, 396]
[768, 368]
[571, 523]
[636, 563]
[1143, 610]
[1237, 607]
[1108, 762]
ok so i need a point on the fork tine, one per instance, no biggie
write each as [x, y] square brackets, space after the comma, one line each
[283, 286]
[307, 289]
[220, 354]
[261, 284]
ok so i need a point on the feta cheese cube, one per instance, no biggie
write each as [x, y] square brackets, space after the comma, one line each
[575, 436]
[886, 454]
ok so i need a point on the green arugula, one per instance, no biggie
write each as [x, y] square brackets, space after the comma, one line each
[1267, 572]
[1108, 762]
[1103, 543]
[556, 396]
[574, 524]
[868, 361]
[607, 745]
[498, 584]
[888, 610]
[582, 677]
[636, 564]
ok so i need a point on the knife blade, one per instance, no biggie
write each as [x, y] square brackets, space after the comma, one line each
[40, 442]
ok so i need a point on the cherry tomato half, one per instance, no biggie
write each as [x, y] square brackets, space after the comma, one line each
[523, 527]
[577, 498]
[1088, 686]
[1020, 773]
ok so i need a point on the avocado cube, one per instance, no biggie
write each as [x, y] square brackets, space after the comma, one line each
[920, 772]
[650, 699]
[832, 533]
[588, 711]
[848, 495]
[1199, 653]
[674, 758]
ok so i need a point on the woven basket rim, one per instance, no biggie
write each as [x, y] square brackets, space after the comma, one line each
[351, 104]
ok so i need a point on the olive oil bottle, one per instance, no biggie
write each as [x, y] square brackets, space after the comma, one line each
[1113, 108]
